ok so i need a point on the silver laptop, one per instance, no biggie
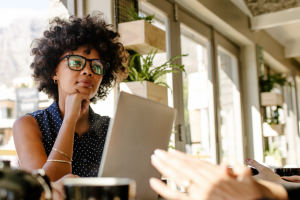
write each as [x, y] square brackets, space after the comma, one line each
[139, 127]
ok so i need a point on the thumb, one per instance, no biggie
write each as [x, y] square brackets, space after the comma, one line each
[292, 178]
[85, 105]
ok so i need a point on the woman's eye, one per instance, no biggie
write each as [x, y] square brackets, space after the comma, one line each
[75, 64]
[97, 68]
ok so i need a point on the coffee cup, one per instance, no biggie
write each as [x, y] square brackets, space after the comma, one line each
[99, 188]
[287, 171]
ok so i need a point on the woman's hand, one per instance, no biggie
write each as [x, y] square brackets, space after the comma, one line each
[75, 105]
[58, 187]
[207, 181]
[264, 172]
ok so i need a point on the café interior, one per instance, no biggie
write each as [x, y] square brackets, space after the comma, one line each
[238, 94]
[225, 111]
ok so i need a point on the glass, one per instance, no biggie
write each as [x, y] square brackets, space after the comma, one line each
[161, 22]
[230, 108]
[196, 93]
[78, 63]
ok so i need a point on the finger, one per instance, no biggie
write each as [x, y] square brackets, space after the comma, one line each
[181, 161]
[201, 163]
[85, 105]
[255, 164]
[292, 178]
[167, 170]
[227, 170]
[163, 190]
[178, 170]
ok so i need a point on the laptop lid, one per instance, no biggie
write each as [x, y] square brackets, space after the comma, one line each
[139, 127]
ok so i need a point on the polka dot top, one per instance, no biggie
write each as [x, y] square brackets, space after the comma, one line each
[87, 151]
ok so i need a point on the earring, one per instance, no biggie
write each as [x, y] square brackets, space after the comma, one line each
[55, 81]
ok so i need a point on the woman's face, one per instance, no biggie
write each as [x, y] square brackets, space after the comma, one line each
[85, 81]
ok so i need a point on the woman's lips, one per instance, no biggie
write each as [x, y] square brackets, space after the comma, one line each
[85, 83]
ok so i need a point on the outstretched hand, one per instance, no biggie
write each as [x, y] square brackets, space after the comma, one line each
[205, 180]
[58, 187]
[264, 172]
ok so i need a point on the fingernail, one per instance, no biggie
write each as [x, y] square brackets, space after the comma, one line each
[154, 158]
[160, 153]
[247, 159]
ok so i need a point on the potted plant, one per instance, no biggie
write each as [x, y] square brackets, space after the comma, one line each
[273, 156]
[143, 79]
[139, 34]
[267, 83]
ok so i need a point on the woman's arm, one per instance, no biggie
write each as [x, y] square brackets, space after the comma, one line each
[29, 144]
[31, 151]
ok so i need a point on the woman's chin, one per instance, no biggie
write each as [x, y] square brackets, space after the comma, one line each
[86, 91]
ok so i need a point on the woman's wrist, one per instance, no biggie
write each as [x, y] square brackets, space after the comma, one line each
[69, 120]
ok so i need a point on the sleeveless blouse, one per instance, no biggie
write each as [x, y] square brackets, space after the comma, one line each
[87, 151]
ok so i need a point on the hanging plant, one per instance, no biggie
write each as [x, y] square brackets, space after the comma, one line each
[274, 119]
[133, 15]
[148, 72]
[267, 82]
[274, 152]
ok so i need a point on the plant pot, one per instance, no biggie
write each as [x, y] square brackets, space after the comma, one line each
[146, 90]
[270, 160]
[272, 130]
[271, 99]
[142, 37]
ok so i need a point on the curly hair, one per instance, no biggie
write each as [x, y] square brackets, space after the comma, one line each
[67, 36]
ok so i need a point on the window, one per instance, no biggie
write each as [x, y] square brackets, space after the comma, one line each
[9, 113]
[1, 137]
[229, 107]
[196, 93]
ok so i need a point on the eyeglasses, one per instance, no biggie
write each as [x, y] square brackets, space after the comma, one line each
[77, 63]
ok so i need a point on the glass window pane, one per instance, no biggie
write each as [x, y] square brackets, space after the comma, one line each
[160, 21]
[196, 93]
[230, 110]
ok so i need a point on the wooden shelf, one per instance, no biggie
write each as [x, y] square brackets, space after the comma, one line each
[142, 37]
[271, 99]
[147, 90]
[272, 130]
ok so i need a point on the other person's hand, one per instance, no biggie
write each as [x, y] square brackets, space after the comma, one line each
[58, 187]
[203, 180]
[264, 172]
[295, 178]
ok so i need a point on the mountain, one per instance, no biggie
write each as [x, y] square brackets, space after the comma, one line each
[15, 41]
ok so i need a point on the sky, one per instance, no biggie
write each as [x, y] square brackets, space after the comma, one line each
[31, 4]
[13, 9]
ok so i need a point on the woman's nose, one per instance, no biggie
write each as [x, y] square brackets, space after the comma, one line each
[87, 70]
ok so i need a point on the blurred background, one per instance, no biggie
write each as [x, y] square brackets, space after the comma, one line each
[239, 97]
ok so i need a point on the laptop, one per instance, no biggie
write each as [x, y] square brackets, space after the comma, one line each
[139, 127]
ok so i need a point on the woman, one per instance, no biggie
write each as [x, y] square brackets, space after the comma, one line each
[203, 180]
[76, 63]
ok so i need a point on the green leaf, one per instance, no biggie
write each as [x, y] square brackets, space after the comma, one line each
[163, 84]
[163, 73]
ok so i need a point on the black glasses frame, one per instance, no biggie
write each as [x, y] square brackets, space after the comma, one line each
[85, 59]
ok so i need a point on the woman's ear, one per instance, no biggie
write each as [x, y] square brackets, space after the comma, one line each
[55, 78]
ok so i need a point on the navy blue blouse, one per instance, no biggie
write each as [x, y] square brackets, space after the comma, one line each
[87, 151]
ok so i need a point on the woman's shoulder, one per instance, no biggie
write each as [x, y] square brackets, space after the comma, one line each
[25, 124]
[100, 118]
